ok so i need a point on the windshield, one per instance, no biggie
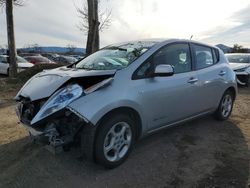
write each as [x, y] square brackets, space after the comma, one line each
[114, 57]
[21, 60]
[238, 58]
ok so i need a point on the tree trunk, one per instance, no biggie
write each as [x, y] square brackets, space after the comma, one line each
[11, 39]
[93, 32]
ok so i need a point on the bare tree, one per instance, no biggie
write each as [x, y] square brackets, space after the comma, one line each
[71, 49]
[33, 48]
[93, 21]
[239, 49]
[36, 48]
[11, 34]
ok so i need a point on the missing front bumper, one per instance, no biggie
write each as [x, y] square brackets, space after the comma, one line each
[59, 129]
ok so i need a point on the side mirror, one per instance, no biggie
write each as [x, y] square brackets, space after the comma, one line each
[163, 70]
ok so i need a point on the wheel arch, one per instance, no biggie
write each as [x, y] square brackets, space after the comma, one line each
[232, 90]
[124, 110]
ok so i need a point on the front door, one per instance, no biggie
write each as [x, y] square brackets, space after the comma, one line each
[167, 99]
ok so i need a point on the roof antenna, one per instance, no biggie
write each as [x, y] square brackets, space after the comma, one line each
[191, 37]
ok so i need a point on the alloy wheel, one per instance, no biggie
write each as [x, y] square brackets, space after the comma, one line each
[117, 141]
[226, 105]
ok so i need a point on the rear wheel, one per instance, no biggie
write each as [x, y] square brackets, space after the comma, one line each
[248, 81]
[114, 140]
[226, 105]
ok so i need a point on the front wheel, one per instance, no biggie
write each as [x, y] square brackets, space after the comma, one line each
[114, 140]
[226, 105]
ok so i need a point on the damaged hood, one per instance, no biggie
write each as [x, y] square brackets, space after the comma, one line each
[45, 83]
[236, 66]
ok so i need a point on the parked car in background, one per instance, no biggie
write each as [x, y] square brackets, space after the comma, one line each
[38, 60]
[124, 92]
[78, 57]
[50, 56]
[29, 54]
[22, 64]
[65, 60]
[240, 63]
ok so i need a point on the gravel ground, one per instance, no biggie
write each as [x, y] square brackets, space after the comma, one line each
[201, 153]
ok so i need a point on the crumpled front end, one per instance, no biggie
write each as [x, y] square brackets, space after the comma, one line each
[56, 129]
[51, 116]
[242, 72]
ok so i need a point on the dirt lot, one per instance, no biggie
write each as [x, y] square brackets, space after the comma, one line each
[202, 153]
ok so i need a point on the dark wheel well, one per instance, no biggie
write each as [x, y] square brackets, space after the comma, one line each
[232, 90]
[125, 110]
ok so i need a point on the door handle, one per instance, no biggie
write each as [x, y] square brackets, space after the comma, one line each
[192, 80]
[222, 73]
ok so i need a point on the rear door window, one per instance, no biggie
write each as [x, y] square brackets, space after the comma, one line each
[204, 56]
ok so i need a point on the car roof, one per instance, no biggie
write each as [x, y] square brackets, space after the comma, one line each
[38, 56]
[155, 41]
[8, 56]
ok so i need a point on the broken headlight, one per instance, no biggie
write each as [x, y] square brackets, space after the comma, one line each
[58, 101]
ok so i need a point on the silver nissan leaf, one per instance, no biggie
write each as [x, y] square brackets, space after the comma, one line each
[124, 92]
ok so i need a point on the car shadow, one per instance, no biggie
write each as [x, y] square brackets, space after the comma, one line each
[201, 153]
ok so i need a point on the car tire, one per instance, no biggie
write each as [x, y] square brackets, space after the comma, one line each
[248, 81]
[225, 107]
[114, 140]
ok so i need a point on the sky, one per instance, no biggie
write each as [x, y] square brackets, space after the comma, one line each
[54, 22]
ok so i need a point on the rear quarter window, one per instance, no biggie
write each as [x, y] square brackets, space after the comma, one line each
[216, 55]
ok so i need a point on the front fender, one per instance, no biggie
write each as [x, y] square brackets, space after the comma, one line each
[95, 105]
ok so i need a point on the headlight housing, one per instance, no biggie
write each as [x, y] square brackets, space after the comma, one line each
[58, 101]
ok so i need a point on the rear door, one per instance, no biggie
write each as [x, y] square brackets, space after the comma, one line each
[165, 100]
[211, 76]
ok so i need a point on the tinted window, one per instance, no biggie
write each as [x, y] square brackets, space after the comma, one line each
[204, 56]
[177, 55]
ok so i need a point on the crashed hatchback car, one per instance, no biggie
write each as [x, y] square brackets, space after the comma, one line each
[240, 63]
[124, 92]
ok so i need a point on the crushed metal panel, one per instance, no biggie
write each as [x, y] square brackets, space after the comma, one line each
[42, 86]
